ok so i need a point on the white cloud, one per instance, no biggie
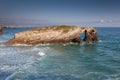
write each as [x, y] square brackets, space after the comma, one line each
[102, 21]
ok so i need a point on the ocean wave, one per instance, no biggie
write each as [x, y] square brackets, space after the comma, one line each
[12, 75]
[100, 76]
[100, 41]
[114, 77]
[8, 68]
[41, 53]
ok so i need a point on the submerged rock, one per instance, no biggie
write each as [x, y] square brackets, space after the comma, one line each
[54, 35]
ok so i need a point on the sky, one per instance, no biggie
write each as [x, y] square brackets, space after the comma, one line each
[97, 13]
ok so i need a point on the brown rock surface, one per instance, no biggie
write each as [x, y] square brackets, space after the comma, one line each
[90, 35]
[54, 35]
[1, 27]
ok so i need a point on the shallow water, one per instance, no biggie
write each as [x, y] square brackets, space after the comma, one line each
[94, 61]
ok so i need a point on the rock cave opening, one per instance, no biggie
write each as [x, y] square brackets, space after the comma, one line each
[82, 36]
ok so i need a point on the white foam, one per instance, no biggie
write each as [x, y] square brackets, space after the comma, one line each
[21, 45]
[64, 44]
[41, 54]
[8, 68]
[100, 41]
[43, 44]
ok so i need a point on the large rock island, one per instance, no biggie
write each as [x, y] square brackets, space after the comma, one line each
[55, 35]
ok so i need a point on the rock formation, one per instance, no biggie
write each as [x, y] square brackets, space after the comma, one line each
[54, 35]
[90, 35]
[1, 27]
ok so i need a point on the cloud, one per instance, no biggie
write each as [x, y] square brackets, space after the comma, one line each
[103, 21]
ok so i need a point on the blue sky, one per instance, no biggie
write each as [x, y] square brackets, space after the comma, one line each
[97, 13]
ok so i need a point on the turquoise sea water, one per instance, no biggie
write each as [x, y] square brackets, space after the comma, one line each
[94, 61]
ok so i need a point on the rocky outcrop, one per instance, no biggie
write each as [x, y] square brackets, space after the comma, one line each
[1, 27]
[54, 35]
[90, 35]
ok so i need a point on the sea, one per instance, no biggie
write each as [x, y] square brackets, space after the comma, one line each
[86, 61]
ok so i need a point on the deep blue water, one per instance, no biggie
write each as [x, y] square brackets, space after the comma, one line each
[94, 61]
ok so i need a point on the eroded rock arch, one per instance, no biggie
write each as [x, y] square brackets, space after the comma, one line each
[90, 35]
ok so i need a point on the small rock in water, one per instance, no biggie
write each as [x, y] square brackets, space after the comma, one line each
[41, 53]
